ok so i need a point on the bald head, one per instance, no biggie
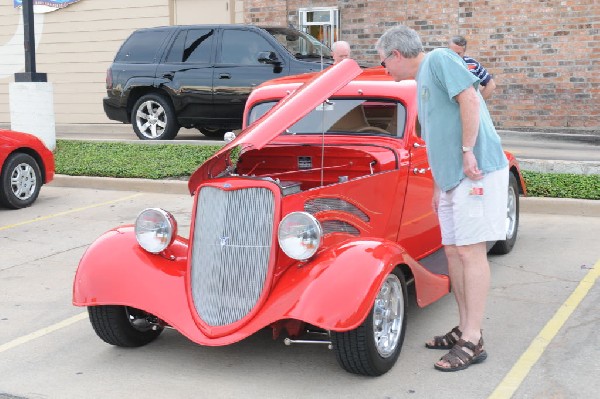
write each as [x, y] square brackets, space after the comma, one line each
[340, 50]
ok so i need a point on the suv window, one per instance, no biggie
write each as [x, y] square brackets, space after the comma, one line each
[142, 46]
[241, 47]
[193, 46]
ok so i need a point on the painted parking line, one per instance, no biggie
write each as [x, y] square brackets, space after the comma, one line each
[42, 332]
[10, 226]
[517, 374]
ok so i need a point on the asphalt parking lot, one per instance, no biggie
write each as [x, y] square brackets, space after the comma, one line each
[541, 328]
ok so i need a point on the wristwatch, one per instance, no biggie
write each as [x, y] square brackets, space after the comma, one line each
[466, 149]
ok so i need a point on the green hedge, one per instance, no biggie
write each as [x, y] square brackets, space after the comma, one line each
[161, 161]
[562, 185]
[151, 161]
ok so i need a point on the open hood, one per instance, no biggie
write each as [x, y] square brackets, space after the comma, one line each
[288, 111]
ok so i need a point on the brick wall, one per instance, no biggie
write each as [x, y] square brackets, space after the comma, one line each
[544, 54]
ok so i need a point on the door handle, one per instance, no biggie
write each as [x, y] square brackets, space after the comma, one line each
[420, 171]
[168, 75]
[419, 145]
[224, 76]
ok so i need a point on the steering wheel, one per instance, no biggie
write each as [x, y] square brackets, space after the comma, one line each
[372, 129]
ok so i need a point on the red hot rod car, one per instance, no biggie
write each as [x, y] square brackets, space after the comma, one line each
[315, 218]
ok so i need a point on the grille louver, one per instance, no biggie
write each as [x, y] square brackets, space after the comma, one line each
[230, 255]
[334, 204]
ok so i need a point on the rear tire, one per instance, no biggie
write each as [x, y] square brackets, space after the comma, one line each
[20, 181]
[153, 118]
[512, 219]
[122, 326]
[373, 347]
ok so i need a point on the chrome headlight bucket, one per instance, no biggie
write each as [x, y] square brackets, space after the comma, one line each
[299, 235]
[155, 229]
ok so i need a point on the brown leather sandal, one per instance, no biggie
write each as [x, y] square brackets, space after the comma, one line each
[459, 359]
[445, 341]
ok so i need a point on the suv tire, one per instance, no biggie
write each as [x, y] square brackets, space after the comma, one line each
[153, 118]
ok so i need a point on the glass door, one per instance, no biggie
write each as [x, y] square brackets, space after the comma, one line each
[320, 22]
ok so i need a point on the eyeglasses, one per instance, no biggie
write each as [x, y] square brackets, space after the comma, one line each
[383, 62]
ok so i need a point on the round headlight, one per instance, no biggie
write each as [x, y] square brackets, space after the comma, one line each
[155, 229]
[299, 235]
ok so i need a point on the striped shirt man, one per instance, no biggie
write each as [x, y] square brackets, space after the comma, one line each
[458, 44]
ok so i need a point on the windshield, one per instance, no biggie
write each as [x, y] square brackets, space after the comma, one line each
[337, 116]
[300, 44]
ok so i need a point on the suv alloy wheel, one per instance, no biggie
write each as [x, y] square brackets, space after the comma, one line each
[153, 118]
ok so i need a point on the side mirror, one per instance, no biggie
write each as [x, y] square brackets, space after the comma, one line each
[268, 57]
[228, 137]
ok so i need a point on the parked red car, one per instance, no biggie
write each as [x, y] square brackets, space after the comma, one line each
[317, 222]
[25, 165]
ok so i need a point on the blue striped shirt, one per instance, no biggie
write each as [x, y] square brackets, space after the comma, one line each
[478, 70]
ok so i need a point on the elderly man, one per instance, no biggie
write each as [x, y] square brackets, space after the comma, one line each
[341, 51]
[470, 173]
[458, 44]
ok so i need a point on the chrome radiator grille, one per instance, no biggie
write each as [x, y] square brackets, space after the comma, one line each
[230, 253]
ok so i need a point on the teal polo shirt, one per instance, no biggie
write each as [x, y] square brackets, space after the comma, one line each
[441, 76]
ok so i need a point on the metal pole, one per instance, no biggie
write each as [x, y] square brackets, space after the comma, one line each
[30, 74]
[29, 25]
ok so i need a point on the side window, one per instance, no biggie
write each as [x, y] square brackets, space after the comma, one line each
[142, 46]
[241, 47]
[193, 46]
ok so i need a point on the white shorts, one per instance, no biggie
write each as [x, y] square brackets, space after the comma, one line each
[475, 210]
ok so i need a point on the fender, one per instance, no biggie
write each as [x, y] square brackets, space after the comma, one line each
[514, 168]
[337, 290]
[334, 291]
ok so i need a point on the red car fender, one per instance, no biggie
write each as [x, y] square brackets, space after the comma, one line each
[335, 290]
[115, 270]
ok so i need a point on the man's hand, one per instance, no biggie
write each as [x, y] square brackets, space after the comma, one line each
[470, 167]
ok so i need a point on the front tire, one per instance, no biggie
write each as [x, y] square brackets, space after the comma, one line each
[123, 326]
[512, 219]
[153, 118]
[20, 181]
[373, 347]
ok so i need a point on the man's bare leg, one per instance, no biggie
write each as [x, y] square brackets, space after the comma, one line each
[474, 269]
[455, 271]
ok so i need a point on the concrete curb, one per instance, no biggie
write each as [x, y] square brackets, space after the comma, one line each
[122, 184]
[554, 166]
[552, 206]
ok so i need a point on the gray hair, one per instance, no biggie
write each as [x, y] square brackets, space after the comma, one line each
[401, 38]
[459, 41]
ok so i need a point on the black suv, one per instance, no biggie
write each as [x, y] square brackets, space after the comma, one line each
[201, 75]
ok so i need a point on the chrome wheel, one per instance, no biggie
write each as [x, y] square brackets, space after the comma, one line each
[373, 347]
[388, 314]
[151, 119]
[503, 247]
[511, 212]
[23, 181]
[20, 181]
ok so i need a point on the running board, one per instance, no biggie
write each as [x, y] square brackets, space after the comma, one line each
[436, 262]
